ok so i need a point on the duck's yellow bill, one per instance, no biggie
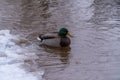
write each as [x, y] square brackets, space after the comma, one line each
[68, 34]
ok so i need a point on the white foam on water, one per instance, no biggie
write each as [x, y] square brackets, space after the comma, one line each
[10, 61]
[13, 72]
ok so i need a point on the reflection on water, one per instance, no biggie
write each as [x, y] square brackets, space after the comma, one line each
[53, 57]
[62, 52]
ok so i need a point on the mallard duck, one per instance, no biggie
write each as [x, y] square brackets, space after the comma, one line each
[56, 39]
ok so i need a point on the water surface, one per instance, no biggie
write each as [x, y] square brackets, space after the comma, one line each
[93, 54]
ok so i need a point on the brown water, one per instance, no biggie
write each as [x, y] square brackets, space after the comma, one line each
[95, 24]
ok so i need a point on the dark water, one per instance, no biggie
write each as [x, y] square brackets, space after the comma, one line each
[95, 24]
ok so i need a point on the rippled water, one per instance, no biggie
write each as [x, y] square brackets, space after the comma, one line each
[94, 52]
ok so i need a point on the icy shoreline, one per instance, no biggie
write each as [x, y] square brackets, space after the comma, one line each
[10, 60]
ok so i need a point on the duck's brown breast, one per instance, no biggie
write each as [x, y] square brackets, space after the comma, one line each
[65, 41]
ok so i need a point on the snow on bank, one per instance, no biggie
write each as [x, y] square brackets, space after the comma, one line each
[10, 60]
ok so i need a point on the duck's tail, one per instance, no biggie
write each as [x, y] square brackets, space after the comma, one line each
[39, 38]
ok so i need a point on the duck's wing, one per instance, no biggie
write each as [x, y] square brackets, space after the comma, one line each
[48, 36]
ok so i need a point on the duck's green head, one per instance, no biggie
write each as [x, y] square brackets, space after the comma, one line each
[64, 32]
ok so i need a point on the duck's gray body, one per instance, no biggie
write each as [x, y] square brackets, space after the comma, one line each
[56, 39]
